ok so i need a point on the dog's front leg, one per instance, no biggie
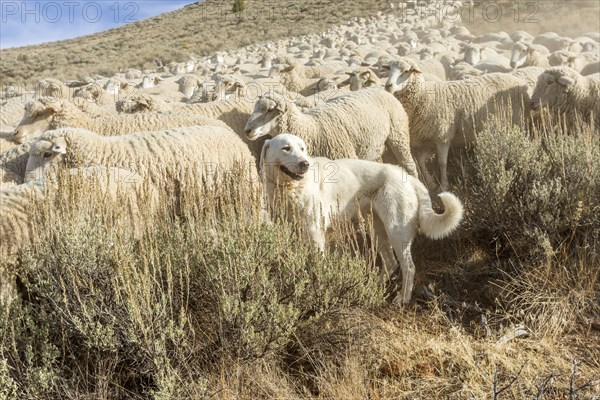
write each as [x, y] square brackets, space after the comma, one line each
[315, 230]
[317, 235]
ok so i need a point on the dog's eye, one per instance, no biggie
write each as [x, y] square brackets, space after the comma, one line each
[287, 148]
[47, 154]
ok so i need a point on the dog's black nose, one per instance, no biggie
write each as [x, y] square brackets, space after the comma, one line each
[303, 166]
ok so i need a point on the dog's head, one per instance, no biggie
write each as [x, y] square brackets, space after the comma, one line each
[284, 158]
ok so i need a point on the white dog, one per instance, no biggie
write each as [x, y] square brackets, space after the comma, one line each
[320, 188]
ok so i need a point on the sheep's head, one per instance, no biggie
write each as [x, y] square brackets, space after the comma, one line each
[44, 154]
[226, 87]
[264, 117]
[520, 52]
[277, 70]
[114, 86]
[38, 118]
[188, 84]
[404, 49]
[50, 87]
[137, 103]
[427, 53]
[149, 82]
[472, 53]
[91, 92]
[360, 78]
[553, 86]
[401, 73]
[325, 84]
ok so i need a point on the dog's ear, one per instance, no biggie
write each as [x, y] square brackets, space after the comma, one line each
[263, 154]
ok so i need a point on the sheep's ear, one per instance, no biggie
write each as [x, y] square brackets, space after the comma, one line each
[287, 68]
[280, 105]
[124, 85]
[566, 81]
[263, 153]
[386, 67]
[344, 83]
[54, 105]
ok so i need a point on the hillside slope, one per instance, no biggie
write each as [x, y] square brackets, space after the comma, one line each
[198, 28]
[204, 27]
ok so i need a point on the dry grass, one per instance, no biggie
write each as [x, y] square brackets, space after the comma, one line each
[208, 302]
[199, 28]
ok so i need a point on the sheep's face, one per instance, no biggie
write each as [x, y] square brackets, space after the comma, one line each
[114, 86]
[50, 88]
[326, 84]
[519, 55]
[360, 79]
[263, 120]
[90, 92]
[227, 88]
[43, 155]
[551, 90]
[400, 75]
[190, 66]
[147, 82]
[284, 158]
[36, 120]
[472, 55]
[558, 58]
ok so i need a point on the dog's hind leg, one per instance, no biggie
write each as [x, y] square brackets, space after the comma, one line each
[384, 248]
[400, 232]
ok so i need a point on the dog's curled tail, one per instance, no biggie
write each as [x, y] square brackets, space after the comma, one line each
[436, 226]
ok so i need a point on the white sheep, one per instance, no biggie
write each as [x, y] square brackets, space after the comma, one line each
[142, 103]
[528, 55]
[355, 125]
[11, 111]
[188, 84]
[292, 80]
[14, 201]
[13, 163]
[48, 113]
[51, 87]
[163, 157]
[359, 78]
[591, 68]
[569, 95]
[18, 223]
[553, 42]
[475, 55]
[443, 112]
[463, 70]
[577, 61]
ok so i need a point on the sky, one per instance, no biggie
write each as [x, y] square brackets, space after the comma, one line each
[25, 22]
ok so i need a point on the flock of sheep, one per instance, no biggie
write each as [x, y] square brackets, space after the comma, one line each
[380, 89]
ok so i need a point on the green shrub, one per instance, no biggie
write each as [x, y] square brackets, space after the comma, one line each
[238, 6]
[213, 284]
[530, 194]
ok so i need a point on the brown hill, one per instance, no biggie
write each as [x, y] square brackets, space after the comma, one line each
[207, 26]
